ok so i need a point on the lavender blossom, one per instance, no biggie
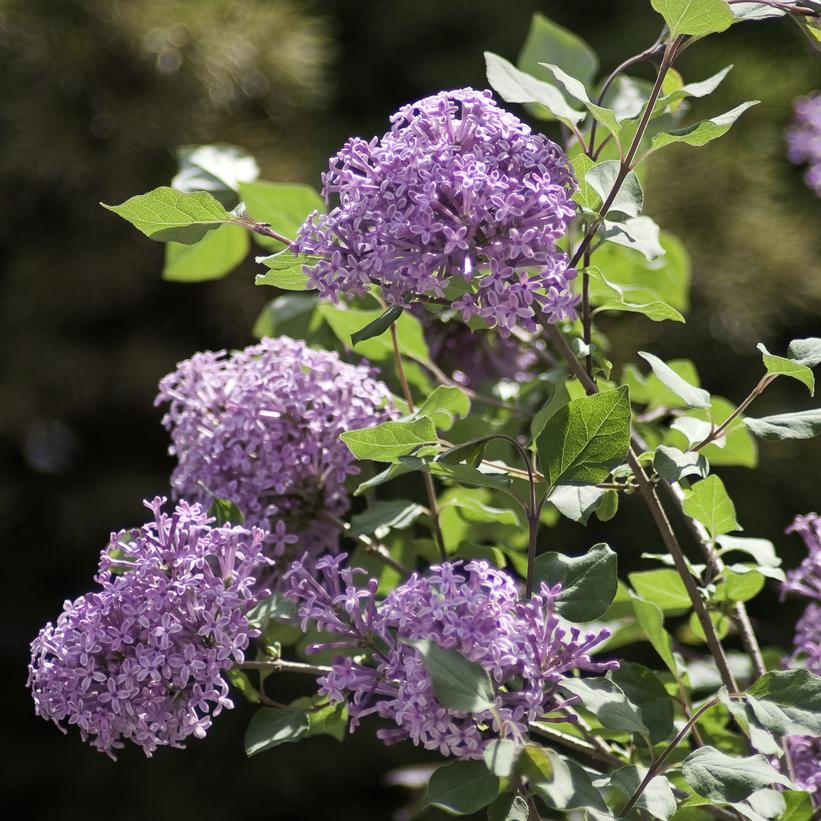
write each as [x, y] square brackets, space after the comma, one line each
[806, 759]
[142, 659]
[471, 608]
[806, 578]
[804, 138]
[459, 192]
[261, 427]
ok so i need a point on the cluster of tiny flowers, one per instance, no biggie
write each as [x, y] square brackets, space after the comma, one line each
[458, 188]
[806, 580]
[804, 138]
[473, 609]
[142, 659]
[261, 426]
[474, 358]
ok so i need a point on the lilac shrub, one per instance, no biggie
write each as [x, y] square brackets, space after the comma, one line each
[472, 608]
[458, 189]
[804, 138]
[260, 427]
[143, 659]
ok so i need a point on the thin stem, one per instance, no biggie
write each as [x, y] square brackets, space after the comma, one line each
[281, 666]
[587, 319]
[648, 493]
[427, 478]
[578, 745]
[373, 547]
[444, 379]
[264, 230]
[656, 767]
[756, 392]
[532, 809]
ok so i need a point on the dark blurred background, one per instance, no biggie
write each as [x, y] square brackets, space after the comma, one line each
[94, 99]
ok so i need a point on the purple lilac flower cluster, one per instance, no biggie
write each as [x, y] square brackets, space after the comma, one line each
[458, 188]
[261, 426]
[142, 659]
[473, 609]
[806, 580]
[804, 138]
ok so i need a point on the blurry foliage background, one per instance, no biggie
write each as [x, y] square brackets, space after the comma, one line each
[95, 95]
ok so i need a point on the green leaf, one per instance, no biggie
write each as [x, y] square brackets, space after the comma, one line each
[651, 391]
[781, 366]
[461, 788]
[509, 807]
[457, 683]
[586, 196]
[390, 440]
[515, 86]
[630, 198]
[666, 279]
[699, 89]
[650, 617]
[589, 582]
[575, 88]
[272, 726]
[739, 587]
[273, 608]
[569, 788]
[225, 512]
[378, 326]
[700, 133]
[325, 718]
[382, 516]
[391, 472]
[673, 464]
[798, 806]
[275, 317]
[214, 256]
[694, 397]
[637, 233]
[165, 214]
[656, 310]
[788, 702]
[762, 550]
[584, 440]
[218, 169]
[800, 425]
[501, 755]
[473, 510]
[285, 271]
[548, 41]
[695, 17]
[644, 689]
[657, 798]
[607, 702]
[805, 351]
[283, 206]
[707, 502]
[461, 474]
[471, 452]
[740, 447]
[444, 406]
[664, 588]
[576, 502]
[720, 777]
[346, 321]
[755, 11]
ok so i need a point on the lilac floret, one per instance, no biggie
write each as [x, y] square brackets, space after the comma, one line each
[473, 609]
[261, 426]
[458, 192]
[806, 578]
[804, 138]
[143, 658]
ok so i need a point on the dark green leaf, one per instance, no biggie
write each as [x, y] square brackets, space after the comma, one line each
[279, 313]
[788, 702]
[225, 512]
[382, 516]
[501, 755]
[457, 683]
[644, 689]
[569, 788]
[459, 473]
[272, 726]
[576, 502]
[461, 788]
[285, 271]
[720, 777]
[378, 326]
[589, 582]
[607, 702]
[584, 440]
[509, 807]
[673, 464]
[657, 798]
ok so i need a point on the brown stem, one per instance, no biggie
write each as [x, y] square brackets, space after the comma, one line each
[430, 490]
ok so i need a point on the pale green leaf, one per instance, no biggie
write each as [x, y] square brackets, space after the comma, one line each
[702, 132]
[781, 366]
[390, 440]
[695, 17]
[799, 425]
[693, 396]
[214, 256]
[708, 502]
